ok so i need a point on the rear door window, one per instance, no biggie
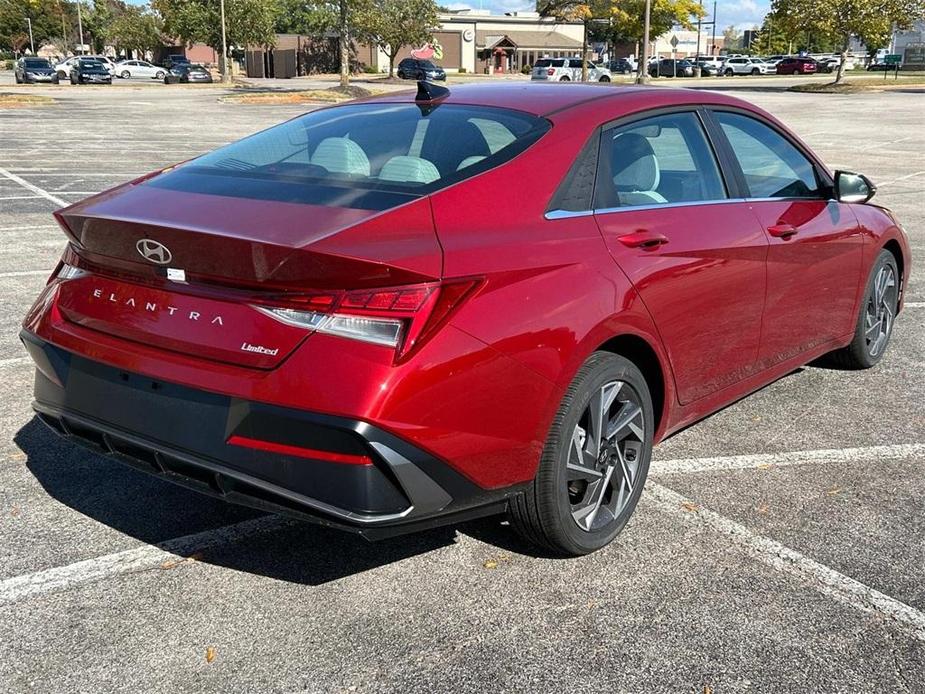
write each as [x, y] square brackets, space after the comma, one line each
[657, 161]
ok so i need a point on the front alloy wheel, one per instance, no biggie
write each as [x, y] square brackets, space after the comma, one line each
[595, 461]
[876, 317]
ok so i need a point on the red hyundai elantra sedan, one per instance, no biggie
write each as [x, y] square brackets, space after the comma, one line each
[423, 308]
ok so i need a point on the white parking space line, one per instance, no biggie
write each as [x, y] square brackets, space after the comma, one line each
[901, 178]
[25, 273]
[772, 460]
[914, 304]
[35, 189]
[29, 228]
[133, 560]
[822, 578]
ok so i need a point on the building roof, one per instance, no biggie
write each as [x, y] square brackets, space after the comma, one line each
[527, 39]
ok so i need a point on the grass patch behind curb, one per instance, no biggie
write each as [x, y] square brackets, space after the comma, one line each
[331, 95]
[8, 100]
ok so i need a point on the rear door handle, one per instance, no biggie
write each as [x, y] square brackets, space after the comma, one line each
[643, 239]
[782, 230]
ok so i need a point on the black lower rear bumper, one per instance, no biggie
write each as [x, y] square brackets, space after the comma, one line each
[182, 434]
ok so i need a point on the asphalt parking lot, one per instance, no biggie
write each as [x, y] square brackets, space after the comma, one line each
[780, 544]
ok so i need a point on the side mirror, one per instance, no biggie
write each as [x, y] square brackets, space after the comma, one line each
[852, 187]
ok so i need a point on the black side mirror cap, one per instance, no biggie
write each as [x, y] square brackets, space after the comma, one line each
[853, 187]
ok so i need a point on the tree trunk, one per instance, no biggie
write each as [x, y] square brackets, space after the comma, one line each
[843, 56]
[344, 41]
[584, 52]
[392, 65]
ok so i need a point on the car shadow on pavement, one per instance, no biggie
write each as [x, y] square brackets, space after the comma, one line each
[153, 510]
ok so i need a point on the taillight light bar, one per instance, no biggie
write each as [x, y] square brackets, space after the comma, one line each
[396, 317]
[299, 451]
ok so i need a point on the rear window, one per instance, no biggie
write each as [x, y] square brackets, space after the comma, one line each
[369, 156]
[36, 62]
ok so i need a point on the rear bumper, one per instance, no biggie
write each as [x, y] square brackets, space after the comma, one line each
[331, 470]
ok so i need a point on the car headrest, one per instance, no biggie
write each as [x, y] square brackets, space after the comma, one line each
[340, 155]
[469, 161]
[634, 164]
[406, 169]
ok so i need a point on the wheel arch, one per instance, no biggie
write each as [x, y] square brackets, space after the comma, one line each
[639, 351]
[896, 250]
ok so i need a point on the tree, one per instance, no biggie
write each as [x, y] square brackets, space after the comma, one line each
[46, 22]
[135, 29]
[732, 38]
[309, 17]
[247, 22]
[871, 21]
[392, 24]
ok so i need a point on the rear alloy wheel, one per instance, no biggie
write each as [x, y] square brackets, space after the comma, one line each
[729, 72]
[564, 79]
[159, 75]
[605, 78]
[875, 322]
[755, 71]
[125, 74]
[594, 463]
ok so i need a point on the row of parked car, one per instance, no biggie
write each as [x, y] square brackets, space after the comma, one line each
[97, 69]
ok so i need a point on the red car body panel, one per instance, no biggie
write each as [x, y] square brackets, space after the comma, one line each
[723, 309]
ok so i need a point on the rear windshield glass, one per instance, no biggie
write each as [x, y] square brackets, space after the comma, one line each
[370, 156]
[36, 62]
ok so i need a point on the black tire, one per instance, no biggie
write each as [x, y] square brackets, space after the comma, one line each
[73, 81]
[729, 72]
[16, 78]
[755, 71]
[159, 75]
[62, 75]
[544, 514]
[565, 78]
[55, 80]
[125, 74]
[605, 78]
[860, 353]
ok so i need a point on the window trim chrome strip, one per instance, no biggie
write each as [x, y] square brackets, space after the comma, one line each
[567, 214]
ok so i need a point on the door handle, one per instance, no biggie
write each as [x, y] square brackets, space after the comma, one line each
[782, 231]
[643, 239]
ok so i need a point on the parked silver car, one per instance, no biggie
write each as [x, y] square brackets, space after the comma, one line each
[746, 66]
[139, 68]
[567, 70]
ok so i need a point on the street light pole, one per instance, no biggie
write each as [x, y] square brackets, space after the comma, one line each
[226, 74]
[642, 75]
[80, 27]
[713, 40]
[31, 42]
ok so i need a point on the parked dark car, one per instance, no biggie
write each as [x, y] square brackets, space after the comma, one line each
[30, 70]
[415, 69]
[881, 67]
[172, 61]
[90, 71]
[797, 66]
[188, 72]
[669, 67]
[708, 69]
[621, 66]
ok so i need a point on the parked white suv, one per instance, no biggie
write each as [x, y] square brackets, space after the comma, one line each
[746, 66]
[64, 67]
[567, 70]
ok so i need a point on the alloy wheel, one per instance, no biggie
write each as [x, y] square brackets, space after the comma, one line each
[881, 309]
[604, 456]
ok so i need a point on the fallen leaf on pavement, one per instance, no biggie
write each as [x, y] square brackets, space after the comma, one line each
[689, 506]
[210, 654]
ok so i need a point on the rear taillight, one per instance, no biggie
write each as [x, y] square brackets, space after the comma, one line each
[550, 72]
[396, 317]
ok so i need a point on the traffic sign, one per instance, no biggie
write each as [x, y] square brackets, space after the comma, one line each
[893, 59]
[674, 41]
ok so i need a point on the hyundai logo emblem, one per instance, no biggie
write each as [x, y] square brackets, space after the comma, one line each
[154, 251]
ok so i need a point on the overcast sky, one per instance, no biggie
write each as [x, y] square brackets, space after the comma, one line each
[742, 13]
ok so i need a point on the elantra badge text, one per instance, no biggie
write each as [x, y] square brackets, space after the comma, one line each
[154, 307]
[154, 251]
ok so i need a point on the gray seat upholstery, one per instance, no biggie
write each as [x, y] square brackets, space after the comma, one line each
[405, 169]
[340, 155]
[635, 170]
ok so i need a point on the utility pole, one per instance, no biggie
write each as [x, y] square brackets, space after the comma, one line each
[226, 73]
[31, 42]
[642, 74]
[584, 52]
[80, 27]
[713, 40]
[697, 54]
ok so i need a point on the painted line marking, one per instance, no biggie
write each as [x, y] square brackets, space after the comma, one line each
[132, 560]
[773, 460]
[914, 304]
[822, 578]
[25, 273]
[29, 228]
[902, 178]
[35, 189]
